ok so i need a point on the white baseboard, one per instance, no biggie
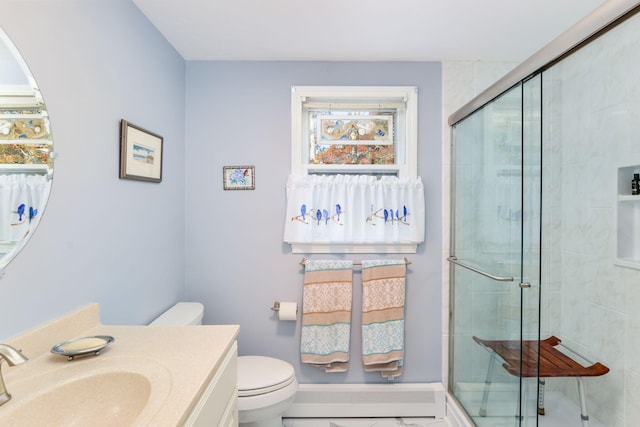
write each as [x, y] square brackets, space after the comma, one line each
[368, 400]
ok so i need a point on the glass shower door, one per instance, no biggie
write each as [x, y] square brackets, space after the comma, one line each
[493, 242]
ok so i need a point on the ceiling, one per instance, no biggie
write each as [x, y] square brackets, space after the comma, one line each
[362, 30]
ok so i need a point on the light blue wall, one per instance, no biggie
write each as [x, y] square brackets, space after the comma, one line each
[102, 239]
[122, 243]
[238, 113]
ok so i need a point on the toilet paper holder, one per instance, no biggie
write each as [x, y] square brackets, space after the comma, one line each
[285, 311]
[276, 306]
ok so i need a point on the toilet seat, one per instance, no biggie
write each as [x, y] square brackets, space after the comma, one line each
[260, 375]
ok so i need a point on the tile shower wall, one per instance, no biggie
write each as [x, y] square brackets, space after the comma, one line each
[591, 128]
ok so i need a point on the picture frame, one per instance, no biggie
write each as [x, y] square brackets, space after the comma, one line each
[238, 177]
[140, 153]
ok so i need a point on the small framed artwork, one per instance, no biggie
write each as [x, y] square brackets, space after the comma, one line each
[238, 177]
[140, 153]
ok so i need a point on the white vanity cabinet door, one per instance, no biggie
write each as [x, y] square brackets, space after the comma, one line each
[230, 416]
[218, 405]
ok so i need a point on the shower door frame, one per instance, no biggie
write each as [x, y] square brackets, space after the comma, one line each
[530, 116]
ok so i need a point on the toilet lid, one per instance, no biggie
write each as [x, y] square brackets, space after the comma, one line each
[260, 374]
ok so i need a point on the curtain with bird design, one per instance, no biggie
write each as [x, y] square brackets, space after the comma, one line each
[359, 209]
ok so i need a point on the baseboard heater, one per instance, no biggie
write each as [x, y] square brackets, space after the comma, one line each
[368, 401]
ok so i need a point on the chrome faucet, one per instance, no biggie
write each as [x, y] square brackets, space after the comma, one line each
[13, 357]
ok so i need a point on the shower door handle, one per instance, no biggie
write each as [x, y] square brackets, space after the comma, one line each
[455, 261]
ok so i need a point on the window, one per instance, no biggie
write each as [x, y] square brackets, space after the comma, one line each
[354, 186]
[354, 130]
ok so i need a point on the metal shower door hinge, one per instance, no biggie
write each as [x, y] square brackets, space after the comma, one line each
[525, 285]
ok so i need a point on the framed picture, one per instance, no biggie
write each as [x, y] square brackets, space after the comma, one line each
[238, 177]
[140, 153]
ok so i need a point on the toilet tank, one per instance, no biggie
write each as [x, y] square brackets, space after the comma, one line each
[181, 314]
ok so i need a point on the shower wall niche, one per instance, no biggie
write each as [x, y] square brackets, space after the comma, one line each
[628, 220]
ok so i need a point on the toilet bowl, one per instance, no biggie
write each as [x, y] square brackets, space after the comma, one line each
[266, 386]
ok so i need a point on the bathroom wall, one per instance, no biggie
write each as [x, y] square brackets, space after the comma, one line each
[591, 109]
[121, 243]
[238, 113]
[116, 242]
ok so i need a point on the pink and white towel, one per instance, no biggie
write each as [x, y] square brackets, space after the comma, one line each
[383, 298]
[326, 314]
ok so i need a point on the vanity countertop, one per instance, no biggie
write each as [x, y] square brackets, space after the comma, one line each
[178, 360]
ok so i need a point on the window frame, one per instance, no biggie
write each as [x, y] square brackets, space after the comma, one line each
[407, 127]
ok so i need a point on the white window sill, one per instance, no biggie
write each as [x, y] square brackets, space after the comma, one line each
[354, 248]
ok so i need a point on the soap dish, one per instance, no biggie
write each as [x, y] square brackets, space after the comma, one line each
[82, 346]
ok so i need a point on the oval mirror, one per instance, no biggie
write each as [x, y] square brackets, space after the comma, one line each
[26, 152]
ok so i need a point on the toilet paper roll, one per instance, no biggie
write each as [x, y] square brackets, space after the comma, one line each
[288, 311]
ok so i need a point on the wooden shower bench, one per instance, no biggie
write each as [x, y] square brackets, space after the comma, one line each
[553, 363]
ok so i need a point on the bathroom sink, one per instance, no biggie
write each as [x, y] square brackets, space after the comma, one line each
[115, 398]
[117, 394]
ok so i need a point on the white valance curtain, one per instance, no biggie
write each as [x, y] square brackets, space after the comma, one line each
[359, 209]
[21, 202]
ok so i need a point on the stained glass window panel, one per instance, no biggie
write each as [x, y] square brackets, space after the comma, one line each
[23, 128]
[31, 154]
[363, 137]
[355, 129]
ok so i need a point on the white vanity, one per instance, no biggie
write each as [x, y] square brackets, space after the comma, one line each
[149, 376]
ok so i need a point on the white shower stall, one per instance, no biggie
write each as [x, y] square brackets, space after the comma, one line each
[545, 234]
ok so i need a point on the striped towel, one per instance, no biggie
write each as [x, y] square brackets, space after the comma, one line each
[383, 290]
[326, 314]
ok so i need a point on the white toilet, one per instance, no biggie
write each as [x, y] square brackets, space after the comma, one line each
[266, 386]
